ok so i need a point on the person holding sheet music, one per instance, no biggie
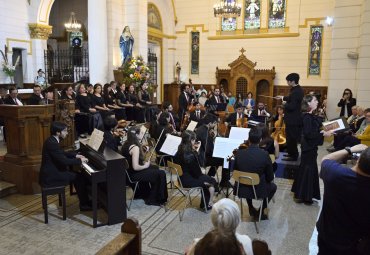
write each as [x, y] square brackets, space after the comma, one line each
[144, 171]
[188, 157]
[306, 180]
[206, 135]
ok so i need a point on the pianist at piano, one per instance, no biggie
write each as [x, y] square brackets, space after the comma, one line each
[55, 161]
[143, 171]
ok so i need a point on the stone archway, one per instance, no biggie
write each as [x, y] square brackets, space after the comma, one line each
[43, 12]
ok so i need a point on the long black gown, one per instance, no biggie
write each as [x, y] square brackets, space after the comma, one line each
[306, 180]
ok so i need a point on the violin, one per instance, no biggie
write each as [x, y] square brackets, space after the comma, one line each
[185, 121]
[242, 146]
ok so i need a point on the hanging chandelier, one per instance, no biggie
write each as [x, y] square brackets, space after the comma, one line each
[227, 9]
[72, 25]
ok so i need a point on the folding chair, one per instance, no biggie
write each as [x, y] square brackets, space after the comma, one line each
[249, 179]
[175, 169]
[136, 183]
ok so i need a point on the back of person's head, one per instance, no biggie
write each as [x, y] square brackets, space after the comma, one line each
[293, 77]
[364, 161]
[225, 215]
[218, 243]
[162, 120]
[307, 99]
[132, 135]
[187, 136]
[255, 135]
[165, 105]
[56, 127]
[238, 105]
[208, 118]
[109, 123]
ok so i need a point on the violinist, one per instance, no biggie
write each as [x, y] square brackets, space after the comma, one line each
[198, 114]
[261, 113]
[206, 133]
[111, 138]
[238, 118]
[164, 125]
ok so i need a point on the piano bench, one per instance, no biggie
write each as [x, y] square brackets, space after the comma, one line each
[45, 192]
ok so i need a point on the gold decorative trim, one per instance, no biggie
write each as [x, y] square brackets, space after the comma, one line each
[258, 33]
[10, 40]
[159, 40]
[316, 20]
[252, 36]
[47, 14]
[194, 28]
[159, 34]
[40, 31]
[171, 49]
[174, 11]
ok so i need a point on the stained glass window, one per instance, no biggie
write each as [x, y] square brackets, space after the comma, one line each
[252, 14]
[277, 13]
[228, 24]
[314, 61]
[194, 52]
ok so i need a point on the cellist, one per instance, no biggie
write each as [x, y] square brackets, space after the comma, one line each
[238, 118]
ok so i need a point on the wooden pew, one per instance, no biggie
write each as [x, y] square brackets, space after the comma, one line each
[128, 242]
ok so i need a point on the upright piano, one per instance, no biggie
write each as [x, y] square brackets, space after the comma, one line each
[106, 171]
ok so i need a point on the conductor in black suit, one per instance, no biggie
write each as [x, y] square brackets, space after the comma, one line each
[293, 116]
[35, 98]
[255, 160]
[55, 163]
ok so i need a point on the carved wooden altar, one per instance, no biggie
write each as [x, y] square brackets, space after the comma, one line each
[242, 77]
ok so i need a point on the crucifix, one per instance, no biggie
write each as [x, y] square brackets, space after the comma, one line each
[242, 51]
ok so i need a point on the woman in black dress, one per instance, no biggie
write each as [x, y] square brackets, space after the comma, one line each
[346, 103]
[138, 113]
[187, 156]
[144, 171]
[109, 101]
[121, 100]
[306, 180]
[144, 100]
[99, 103]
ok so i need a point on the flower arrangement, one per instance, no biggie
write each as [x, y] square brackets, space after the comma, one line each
[8, 69]
[136, 71]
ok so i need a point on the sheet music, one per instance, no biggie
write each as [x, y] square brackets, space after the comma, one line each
[335, 125]
[143, 130]
[192, 125]
[239, 133]
[170, 145]
[96, 139]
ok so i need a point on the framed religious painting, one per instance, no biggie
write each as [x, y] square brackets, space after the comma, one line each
[194, 52]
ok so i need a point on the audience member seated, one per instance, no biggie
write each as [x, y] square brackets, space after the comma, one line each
[225, 217]
[12, 97]
[36, 98]
[187, 156]
[255, 160]
[144, 171]
[361, 136]
[98, 101]
[111, 139]
[344, 226]
[249, 102]
[202, 98]
[109, 101]
[54, 164]
[260, 114]
[68, 94]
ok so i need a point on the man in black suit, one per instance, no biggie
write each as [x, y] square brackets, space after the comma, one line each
[198, 114]
[35, 98]
[12, 97]
[255, 160]
[216, 99]
[184, 100]
[260, 114]
[293, 116]
[239, 114]
[54, 164]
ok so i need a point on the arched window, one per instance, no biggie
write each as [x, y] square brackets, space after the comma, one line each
[252, 14]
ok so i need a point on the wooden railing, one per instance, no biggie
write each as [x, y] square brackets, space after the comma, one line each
[128, 242]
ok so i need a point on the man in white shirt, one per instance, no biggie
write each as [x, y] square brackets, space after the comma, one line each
[12, 97]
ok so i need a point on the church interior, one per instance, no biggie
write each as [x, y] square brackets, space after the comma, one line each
[152, 51]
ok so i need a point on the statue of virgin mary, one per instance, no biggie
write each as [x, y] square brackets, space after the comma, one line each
[126, 43]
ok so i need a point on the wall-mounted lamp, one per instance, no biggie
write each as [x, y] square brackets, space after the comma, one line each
[329, 21]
